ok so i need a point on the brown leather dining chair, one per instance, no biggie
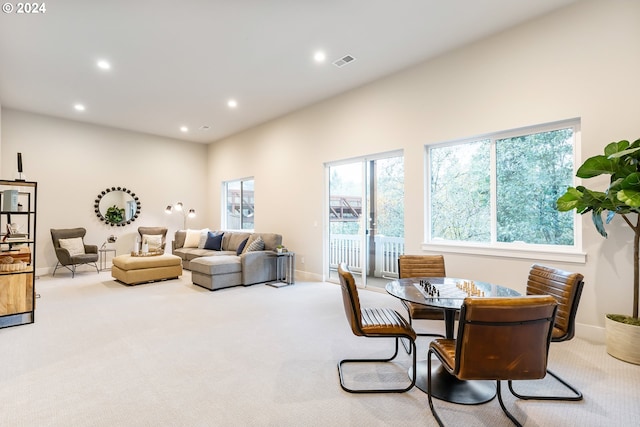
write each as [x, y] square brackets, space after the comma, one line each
[421, 266]
[504, 338]
[373, 323]
[566, 288]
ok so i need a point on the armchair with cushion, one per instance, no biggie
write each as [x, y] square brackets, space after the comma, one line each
[156, 237]
[71, 250]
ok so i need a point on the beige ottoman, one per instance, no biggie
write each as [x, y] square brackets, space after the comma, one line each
[136, 270]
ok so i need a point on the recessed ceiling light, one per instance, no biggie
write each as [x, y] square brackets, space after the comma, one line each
[320, 56]
[232, 103]
[104, 65]
[79, 107]
[184, 129]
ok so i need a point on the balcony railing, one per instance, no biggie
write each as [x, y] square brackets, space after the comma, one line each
[347, 248]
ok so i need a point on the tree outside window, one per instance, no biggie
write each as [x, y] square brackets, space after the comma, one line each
[502, 188]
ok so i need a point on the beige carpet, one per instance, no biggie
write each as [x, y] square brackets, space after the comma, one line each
[173, 354]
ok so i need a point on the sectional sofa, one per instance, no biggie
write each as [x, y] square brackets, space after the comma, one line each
[221, 259]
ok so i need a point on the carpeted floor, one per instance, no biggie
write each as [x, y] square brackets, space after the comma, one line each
[173, 354]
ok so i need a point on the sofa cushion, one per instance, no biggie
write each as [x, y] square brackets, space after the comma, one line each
[192, 239]
[256, 244]
[213, 265]
[153, 240]
[204, 233]
[232, 240]
[214, 241]
[271, 240]
[242, 246]
[75, 246]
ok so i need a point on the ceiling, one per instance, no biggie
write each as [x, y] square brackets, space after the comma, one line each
[178, 63]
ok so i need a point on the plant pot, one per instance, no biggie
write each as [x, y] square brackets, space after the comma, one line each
[623, 341]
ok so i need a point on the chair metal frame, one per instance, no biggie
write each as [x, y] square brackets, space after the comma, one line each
[352, 303]
[461, 341]
[570, 306]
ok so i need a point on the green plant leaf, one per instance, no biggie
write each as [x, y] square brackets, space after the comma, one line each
[632, 181]
[597, 221]
[596, 165]
[615, 147]
[629, 197]
[569, 200]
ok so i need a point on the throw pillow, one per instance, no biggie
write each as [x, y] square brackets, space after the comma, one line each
[154, 241]
[241, 246]
[256, 245]
[75, 246]
[192, 239]
[203, 238]
[214, 241]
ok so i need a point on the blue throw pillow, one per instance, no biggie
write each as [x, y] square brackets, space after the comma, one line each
[241, 246]
[214, 241]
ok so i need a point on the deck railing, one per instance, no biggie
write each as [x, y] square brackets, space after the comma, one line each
[347, 248]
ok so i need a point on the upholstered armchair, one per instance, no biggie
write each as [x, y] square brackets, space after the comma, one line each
[156, 236]
[71, 250]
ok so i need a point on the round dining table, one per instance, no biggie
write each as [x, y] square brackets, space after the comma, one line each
[448, 294]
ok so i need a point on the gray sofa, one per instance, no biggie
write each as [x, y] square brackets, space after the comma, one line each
[217, 269]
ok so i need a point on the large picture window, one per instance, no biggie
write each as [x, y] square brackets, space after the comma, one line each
[239, 212]
[502, 188]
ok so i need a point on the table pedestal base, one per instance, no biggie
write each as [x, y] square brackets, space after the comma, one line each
[450, 389]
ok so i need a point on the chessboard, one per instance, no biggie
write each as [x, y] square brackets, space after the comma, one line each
[460, 290]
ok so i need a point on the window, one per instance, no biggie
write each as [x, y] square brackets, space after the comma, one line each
[239, 206]
[500, 190]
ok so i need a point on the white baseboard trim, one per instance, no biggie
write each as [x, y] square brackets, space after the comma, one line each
[591, 333]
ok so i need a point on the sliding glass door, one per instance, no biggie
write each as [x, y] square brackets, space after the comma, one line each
[365, 218]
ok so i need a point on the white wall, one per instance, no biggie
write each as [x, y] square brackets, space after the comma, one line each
[581, 61]
[73, 162]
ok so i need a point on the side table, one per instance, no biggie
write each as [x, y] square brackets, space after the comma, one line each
[102, 253]
[285, 263]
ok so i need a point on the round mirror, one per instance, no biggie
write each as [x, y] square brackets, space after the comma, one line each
[117, 206]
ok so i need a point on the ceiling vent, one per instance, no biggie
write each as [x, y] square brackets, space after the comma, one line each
[344, 61]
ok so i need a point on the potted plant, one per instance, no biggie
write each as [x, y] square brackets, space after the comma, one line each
[621, 160]
[114, 215]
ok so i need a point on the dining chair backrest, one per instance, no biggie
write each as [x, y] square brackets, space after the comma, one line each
[350, 299]
[504, 338]
[421, 266]
[566, 288]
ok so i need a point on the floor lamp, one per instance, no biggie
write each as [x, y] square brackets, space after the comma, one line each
[178, 207]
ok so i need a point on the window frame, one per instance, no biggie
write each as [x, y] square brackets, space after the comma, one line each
[223, 204]
[561, 253]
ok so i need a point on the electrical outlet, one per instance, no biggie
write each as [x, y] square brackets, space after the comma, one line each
[302, 260]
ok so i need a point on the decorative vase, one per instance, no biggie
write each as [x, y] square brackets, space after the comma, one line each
[623, 341]
[145, 248]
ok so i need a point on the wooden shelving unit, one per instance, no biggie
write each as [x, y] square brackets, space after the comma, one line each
[17, 280]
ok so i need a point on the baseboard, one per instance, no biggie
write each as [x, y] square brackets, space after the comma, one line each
[591, 333]
[305, 276]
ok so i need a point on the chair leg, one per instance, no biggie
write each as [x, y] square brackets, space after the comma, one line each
[389, 359]
[576, 397]
[504, 408]
[406, 346]
[429, 398]
[55, 269]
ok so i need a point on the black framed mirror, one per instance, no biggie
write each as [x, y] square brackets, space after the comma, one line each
[117, 206]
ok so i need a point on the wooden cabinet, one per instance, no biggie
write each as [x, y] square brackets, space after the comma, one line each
[17, 252]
